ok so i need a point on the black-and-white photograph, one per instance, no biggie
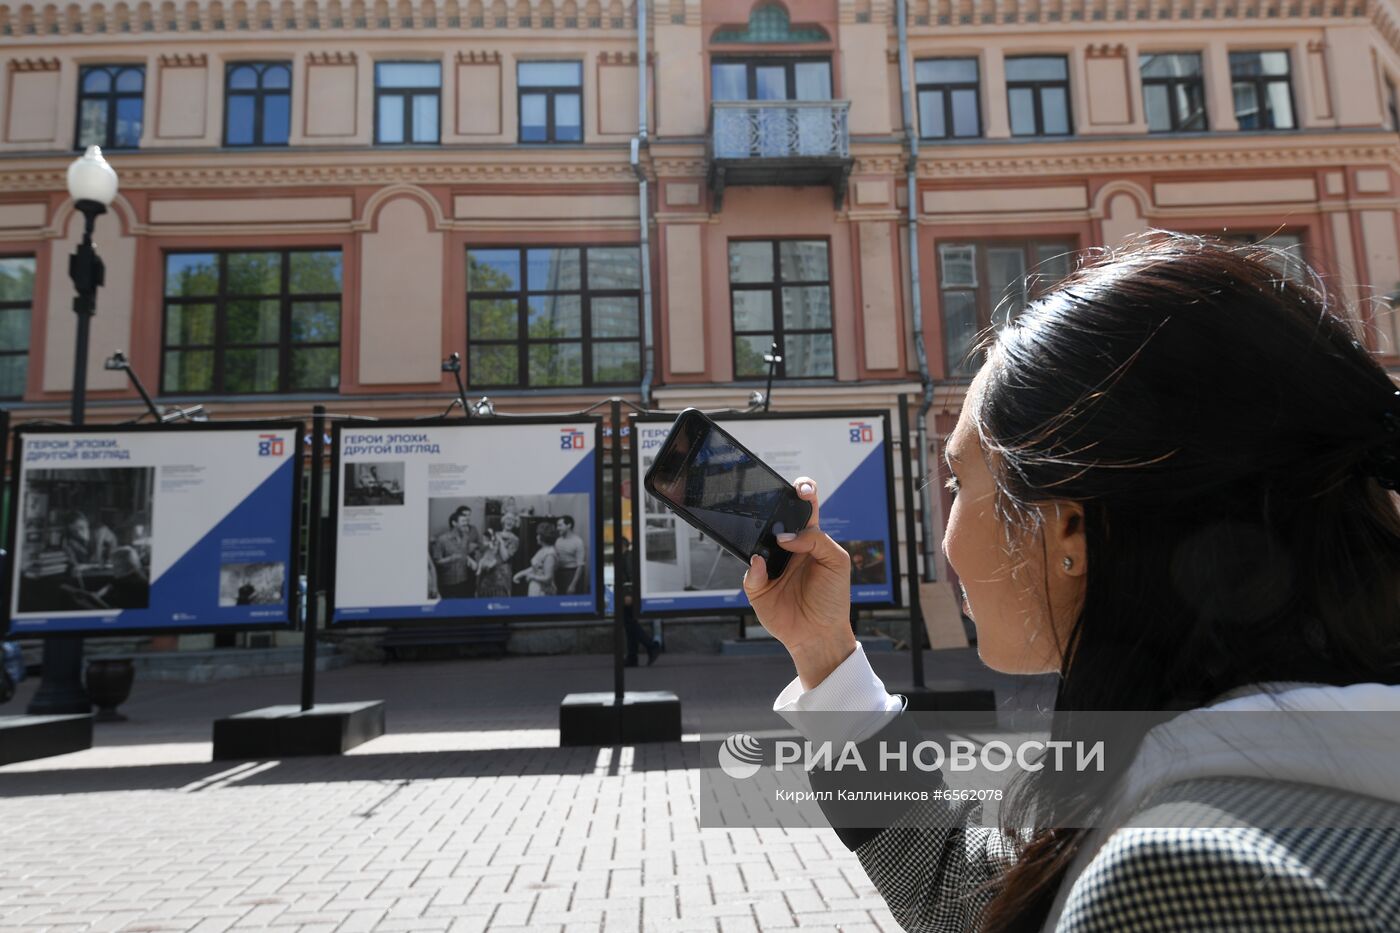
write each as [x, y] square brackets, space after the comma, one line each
[519, 545]
[85, 543]
[374, 483]
[262, 584]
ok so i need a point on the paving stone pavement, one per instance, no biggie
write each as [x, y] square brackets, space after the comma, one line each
[466, 816]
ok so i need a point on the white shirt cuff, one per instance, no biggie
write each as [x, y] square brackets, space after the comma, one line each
[853, 688]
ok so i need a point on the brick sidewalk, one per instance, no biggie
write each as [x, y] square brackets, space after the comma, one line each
[466, 816]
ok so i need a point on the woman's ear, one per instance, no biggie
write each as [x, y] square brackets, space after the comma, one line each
[1068, 538]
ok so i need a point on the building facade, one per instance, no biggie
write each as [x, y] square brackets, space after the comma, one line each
[321, 200]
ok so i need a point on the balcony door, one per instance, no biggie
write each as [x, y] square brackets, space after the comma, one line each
[777, 131]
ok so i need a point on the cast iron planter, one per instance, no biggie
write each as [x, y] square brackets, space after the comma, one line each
[109, 684]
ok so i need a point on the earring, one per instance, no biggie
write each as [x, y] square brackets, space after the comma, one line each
[1069, 562]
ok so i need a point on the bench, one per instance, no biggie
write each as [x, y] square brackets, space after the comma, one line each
[450, 640]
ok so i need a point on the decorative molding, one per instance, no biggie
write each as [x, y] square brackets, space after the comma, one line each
[252, 176]
[478, 58]
[1317, 45]
[34, 64]
[1106, 51]
[618, 58]
[193, 60]
[331, 58]
[1130, 162]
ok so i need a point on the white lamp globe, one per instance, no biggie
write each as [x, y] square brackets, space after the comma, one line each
[90, 178]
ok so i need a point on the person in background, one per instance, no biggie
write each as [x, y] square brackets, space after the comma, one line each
[636, 635]
[129, 588]
[455, 552]
[493, 575]
[541, 572]
[573, 558]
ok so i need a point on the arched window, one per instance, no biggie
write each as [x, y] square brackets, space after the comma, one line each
[257, 103]
[110, 105]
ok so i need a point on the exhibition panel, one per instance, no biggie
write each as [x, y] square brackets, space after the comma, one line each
[154, 528]
[848, 454]
[481, 519]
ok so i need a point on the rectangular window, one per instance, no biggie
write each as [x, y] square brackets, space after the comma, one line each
[948, 98]
[780, 292]
[1289, 261]
[1174, 92]
[252, 322]
[770, 79]
[550, 101]
[1037, 95]
[554, 316]
[16, 303]
[111, 101]
[257, 103]
[406, 102]
[1262, 90]
[987, 284]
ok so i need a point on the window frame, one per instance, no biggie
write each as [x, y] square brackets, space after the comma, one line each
[778, 333]
[222, 298]
[259, 96]
[522, 295]
[407, 94]
[1260, 83]
[112, 96]
[7, 306]
[1171, 83]
[549, 92]
[753, 62]
[948, 87]
[1392, 102]
[984, 302]
[1036, 87]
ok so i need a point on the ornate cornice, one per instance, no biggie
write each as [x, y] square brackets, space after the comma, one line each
[331, 58]
[137, 177]
[1130, 161]
[107, 19]
[475, 57]
[1106, 51]
[196, 60]
[34, 64]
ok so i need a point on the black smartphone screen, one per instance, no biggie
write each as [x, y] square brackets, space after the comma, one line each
[731, 495]
[730, 491]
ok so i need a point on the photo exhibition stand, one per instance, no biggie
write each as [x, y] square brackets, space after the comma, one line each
[30, 736]
[943, 622]
[311, 728]
[621, 717]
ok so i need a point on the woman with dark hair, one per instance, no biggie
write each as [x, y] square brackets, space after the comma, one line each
[540, 574]
[1172, 482]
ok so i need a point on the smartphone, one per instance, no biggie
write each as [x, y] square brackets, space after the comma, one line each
[716, 484]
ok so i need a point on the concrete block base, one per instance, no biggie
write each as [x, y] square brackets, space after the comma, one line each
[645, 716]
[24, 738]
[286, 731]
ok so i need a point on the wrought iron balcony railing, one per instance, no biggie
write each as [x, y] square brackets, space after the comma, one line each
[779, 129]
[779, 142]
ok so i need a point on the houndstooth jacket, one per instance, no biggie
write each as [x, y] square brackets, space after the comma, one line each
[1157, 872]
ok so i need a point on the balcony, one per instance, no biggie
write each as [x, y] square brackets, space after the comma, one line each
[779, 142]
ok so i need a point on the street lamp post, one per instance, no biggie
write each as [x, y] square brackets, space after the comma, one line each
[92, 184]
[772, 359]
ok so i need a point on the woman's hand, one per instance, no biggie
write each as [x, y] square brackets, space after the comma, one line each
[808, 608]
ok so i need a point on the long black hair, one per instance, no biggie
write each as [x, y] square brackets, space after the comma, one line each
[1214, 418]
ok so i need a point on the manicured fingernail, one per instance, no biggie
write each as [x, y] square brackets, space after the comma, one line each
[805, 489]
[787, 536]
[753, 561]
